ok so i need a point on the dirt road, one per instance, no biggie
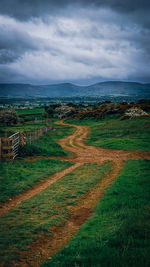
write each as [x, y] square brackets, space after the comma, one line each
[48, 245]
[81, 154]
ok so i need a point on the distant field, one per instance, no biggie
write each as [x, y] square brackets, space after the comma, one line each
[118, 234]
[28, 126]
[34, 114]
[30, 111]
[131, 134]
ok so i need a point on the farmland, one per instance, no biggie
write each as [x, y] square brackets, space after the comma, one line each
[117, 234]
[113, 133]
[83, 195]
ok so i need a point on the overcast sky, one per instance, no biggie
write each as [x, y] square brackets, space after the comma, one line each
[86, 41]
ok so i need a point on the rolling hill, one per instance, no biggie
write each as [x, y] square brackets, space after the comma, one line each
[111, 88]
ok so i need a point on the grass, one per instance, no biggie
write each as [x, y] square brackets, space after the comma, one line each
[17, 176]
[47, 145]
[112, 133]
[35, 216]
[26, 127]
[118, 234]
[30, 111]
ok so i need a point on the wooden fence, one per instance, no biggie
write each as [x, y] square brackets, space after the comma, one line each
[31, 136]
[9, 146]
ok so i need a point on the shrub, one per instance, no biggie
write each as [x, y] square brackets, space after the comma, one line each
[8, 117]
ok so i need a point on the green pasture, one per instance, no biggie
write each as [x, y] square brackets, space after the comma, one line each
[17, 176]
[26, 127]
[111, 132]
[22, 225]
[118, 234]
[47, 145]
[29, 111]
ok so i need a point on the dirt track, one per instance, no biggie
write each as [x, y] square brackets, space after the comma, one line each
[48, 245]
[90, 154]
[81, 154]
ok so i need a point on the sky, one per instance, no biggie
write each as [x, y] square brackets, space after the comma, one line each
[82, 42]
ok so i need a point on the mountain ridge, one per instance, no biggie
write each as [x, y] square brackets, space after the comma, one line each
[71, 90]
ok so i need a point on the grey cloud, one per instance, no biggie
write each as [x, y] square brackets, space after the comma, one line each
[73, 43]
[7, 74]
[14, 43]
[25, 9]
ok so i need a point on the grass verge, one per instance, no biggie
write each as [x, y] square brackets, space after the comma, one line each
[47, 145]
[118, 234]
[35, 216]
[26, 127]
[112, 133]
[17, 176]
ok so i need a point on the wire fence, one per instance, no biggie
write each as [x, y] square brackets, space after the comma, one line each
[9, 146]
[31, 136]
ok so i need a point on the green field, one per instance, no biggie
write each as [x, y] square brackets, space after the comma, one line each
[118, 234]
[35, 216]
[30, 111]
[26, 127]
[118, 231]
[47, 145]
[17, 176]
[113, 133]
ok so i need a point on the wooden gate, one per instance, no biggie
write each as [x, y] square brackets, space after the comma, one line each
[15, 143]
[10, 146]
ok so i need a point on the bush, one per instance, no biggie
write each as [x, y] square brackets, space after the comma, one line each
[8, 117]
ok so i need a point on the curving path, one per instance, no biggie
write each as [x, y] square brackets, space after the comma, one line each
[81, 154]
[90, 154]
[47, 246]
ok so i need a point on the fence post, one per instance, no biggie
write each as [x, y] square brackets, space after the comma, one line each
[31, 136]
[7, 148]
[22, 138]
[0, 148]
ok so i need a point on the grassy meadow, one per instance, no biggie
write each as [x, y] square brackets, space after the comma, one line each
[30, 111]
[114, 133]
[47, 145]
[33, 123]
[17, 176]
[35, 216]
[118, 233]
[30, 126]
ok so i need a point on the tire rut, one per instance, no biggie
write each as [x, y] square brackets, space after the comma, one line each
[46, 246]
[35, 189]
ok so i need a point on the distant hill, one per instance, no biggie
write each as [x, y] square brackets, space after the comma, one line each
[111, 88]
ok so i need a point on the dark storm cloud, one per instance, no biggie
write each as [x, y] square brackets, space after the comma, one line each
[14, 43]
[25, 9]
[44, 41]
